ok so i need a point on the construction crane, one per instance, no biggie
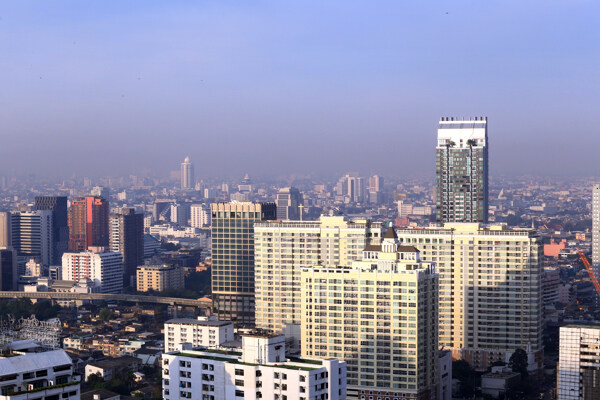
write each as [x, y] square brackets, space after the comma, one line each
[590, 271]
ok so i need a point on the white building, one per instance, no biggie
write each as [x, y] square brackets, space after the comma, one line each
[578, 367]
[187, 174]
[199, 216]
[44, 375]
[260, 371]
[596, 229]
[180, 214]
[197, 332]
[105, 269]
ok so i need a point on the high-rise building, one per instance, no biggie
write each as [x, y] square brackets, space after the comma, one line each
[127, 238]
[289, 200]
[60, 223]
[180, 214]
[462, 170]
[88, 223]
[596, 229]
[232, 238]
[205, 332]
[352, 188]
[381, 317]
[103, 268]
[160, 208]
[159, 277]
[283, 248]
[32, 234]
[578, 368]
[375, 189]
[187, 174]
[5, 223]
[490, 296]
[259, 371]
[8, 269]
[199, 216]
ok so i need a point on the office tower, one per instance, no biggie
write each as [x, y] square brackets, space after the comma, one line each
[380, 316]
[159, 277]
[100, 191]
[462, 170]
[180, 214]
[38, 374]
[8, 269]
[199, 216]
[578, 368]
[232, 240]
[32, 234]
[60, 223]
[490, 290]
[283, 248]
[596, 229]
[288, 201]
[187, 174]
[259, 371]
[5, 222]
[88, 223]
[352, 188]
[205, 332]
[103, 268]
[127, 238]
[375, 189]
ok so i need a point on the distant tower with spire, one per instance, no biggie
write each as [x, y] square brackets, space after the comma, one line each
[187, 174]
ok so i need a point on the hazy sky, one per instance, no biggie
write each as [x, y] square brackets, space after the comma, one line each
[274, 87]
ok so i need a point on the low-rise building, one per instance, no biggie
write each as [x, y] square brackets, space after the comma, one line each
[40, 375]
[497, 382]
[259, 371]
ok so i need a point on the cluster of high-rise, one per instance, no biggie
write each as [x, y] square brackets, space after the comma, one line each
[384, 303]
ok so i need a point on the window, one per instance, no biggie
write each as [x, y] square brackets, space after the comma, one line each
[239, 393]
[239, 372]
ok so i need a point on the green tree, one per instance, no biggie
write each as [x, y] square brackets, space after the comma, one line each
[105, 314]
[95, 381]
[518, 362]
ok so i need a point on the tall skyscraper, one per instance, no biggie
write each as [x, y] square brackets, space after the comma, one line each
[32, 235]
[380, 316]
[8, 269]
[127, 238]
[596, 229]
[462, 170]
[578, 368]
[88, 223]
[288, 202]
[490, 297]
[233, 258]
[352, 188]
[60, 223]
[5, 223]
[283, 248]
[187, 174]
[103, 268]
[375, 189]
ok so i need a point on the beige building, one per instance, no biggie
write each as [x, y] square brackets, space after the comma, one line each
[380, 316]
[158, 278]
[283, 248]
[490, 289]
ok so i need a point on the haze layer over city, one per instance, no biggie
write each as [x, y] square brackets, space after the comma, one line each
[299, 200]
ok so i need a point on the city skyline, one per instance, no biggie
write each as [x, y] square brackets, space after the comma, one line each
[323, 77]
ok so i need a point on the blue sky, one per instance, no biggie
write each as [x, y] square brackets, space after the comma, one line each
[278, 87]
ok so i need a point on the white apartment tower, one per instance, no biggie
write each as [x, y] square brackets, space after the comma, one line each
[197, 332]
[490, 296]
[381, 317]
[187, 174]
[259, 371]
[283, 248]
[105, 269]
[578, 368]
